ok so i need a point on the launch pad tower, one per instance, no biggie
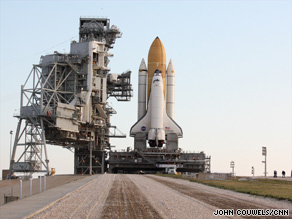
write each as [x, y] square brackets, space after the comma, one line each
[64, 103]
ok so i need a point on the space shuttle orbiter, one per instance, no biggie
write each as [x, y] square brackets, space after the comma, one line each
[156, 102]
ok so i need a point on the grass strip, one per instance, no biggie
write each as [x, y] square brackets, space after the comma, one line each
[278, 189]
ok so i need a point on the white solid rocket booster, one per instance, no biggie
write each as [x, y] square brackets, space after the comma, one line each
[142, 89]
[170, 74]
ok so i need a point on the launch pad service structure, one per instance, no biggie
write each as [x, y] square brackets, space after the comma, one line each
[64, 103]
[156, 125]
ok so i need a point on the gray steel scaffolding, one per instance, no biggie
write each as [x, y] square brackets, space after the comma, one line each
[64, 102]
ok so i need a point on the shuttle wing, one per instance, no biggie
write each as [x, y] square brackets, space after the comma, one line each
[143, 124]
[170, 126]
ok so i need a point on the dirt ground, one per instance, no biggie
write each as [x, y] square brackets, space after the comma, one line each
[126, 201]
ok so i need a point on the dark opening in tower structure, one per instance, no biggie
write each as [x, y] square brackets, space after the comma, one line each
[64, 103]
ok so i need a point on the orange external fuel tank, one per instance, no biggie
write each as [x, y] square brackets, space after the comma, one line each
[156, 60]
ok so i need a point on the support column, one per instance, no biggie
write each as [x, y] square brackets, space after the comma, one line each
[45, 146]
[40, 184]
[20, 189]
[102, 163]
[30, 186]
[16, 138]
[90, 158]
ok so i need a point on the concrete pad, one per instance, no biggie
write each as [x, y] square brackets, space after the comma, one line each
[27, 206]
[11, 187]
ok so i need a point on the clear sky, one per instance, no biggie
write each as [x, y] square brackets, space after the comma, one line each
[232, 61]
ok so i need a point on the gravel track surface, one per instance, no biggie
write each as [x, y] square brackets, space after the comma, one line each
[147, 196]
[171, 203]
[85, 202]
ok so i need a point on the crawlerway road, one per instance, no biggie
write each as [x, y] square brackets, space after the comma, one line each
[148, 196]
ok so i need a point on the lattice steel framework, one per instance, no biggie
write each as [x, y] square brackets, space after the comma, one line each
[30, 129]
[64, 102]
